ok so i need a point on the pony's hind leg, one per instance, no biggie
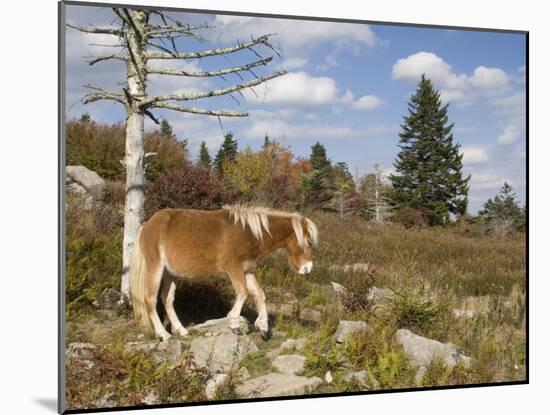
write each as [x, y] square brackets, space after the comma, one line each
[239, 284]
[261, 322]
[152, 290]
[167, 294]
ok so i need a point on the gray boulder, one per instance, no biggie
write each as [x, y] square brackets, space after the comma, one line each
[213, 384]
[277, 384]
[421, 352]
[357, 267]
[108, 300]
[361, 377]
[221, 353]
[80, 351]
[289, 363]
[170, 350]
[218, 326]
[88, 179]
[346, 329]
[338, 288]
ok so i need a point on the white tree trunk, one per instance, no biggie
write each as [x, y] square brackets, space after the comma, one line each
[134, 159]
[133, 209]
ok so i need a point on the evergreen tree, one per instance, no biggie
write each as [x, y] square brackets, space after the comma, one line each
[503, 211]
[321, 181]
[85, 118]
[227, 152]
[166, 128]
[429, 164]
[204, 156]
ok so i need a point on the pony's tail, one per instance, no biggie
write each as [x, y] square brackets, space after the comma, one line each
[137, 285]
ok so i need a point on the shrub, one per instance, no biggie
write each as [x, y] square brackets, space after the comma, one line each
[188, 187]
[417, 314]
[409, 217]
[356, 297]
[101, 149]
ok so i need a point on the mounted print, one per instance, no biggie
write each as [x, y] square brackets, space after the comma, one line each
[264, 207]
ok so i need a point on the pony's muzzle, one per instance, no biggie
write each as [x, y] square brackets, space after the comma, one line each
[306, 268]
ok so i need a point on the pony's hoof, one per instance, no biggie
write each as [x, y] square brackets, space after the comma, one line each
[164, 337]
[266, 334]
[182, 332]
[237, 331]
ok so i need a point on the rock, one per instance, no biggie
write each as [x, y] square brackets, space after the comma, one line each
[150, 398]
[243, 374]
[283, 309]
[213, 384]
[457, 313]
[346, 329]
[420, 375]
[361, 377]
[88, 179]
[357, 267]
[277, 384]
[311, 315]
[80, 351]
[219, 326]
[289, 363]
[298, 345]
[222, 352]
[86, 201]
[377, 294]
[328, 377]
[422, 351]
[170, 350]
[106, 401]
[338, 288]
[108, 299]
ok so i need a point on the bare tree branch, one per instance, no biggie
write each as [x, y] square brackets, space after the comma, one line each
[98, 30]
[192, 110]
[152, 116]
[92, 60]
[212, 52]
[220, 72]
[101, 94]
[213, 93]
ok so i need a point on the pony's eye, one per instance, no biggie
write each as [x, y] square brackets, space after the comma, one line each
[308, 242]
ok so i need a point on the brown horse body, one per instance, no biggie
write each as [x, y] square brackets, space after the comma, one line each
[198, 244]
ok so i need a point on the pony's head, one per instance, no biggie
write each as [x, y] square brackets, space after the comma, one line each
[300, 245]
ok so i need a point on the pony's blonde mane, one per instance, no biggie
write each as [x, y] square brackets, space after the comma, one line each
[257, 220]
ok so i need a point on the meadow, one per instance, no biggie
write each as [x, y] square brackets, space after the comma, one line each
[428, 274]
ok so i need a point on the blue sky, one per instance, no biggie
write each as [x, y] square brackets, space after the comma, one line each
[347, 87]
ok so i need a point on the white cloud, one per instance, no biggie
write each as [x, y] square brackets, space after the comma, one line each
[482, 181]
[489, 78]
[474, 154]
[293, 63]
[297, 88]
[367, 102]
[276, 127]
[294, 37]
[509, 135]
[454, 87]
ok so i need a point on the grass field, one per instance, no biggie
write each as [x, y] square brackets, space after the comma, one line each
[429, 271]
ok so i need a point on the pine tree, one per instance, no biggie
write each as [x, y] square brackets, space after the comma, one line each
[321, 181]
[503, 212]
[166, 128]
[267, 142]
[227, 152]
[429, 164]
[204, 157]
[85, 118]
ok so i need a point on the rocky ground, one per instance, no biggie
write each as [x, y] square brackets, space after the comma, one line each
[245, 366]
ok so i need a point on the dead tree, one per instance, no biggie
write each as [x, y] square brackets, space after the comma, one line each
[142, 42]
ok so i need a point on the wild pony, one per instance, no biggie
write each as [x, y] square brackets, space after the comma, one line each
[198, 243]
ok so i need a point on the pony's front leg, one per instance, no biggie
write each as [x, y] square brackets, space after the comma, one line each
[261, 322]
[234, 315]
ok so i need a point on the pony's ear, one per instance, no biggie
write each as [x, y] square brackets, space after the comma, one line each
[313, 232]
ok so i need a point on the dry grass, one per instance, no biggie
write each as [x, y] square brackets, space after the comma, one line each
[431, 270]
